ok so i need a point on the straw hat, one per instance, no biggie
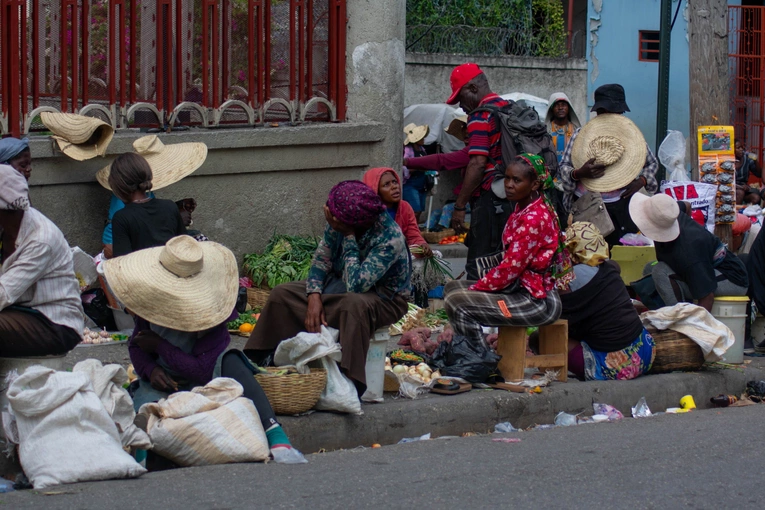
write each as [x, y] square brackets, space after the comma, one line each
[185, 285]
[456, 125]
[169, 163]
[615, 141]
[656, 216]
[415, 133]
[78, 136]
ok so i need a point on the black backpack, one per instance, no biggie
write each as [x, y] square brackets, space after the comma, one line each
[522, 131]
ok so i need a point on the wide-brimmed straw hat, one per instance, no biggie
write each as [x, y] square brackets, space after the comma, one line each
[656, 216]
[458, 122]
[78, 136]
[615, 141]
[169, 163]
[415, 133]
[185, 285]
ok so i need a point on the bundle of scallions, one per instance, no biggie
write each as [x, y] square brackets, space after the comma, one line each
[435, 271]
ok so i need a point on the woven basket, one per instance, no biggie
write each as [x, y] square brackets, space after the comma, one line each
[435, 237]
[675, 352]
[293, 393]
[256, 297]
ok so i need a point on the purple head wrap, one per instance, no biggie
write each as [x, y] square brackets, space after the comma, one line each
[354, 203]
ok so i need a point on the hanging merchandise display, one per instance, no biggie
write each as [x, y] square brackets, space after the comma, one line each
[717, 166]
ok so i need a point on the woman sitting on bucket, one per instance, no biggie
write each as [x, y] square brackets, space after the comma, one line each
[183, 294]
[521, 289]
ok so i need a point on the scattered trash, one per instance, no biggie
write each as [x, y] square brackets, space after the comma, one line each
[537, 390]
[546, 426]
[755, 389]
[676, 410]
[565, 419]
[609, 411]
[288, 456]
[469, 434]
[687, 402]
[7, 486]
[423, 437]
[506, 440]
[722, 400]
[598, 418]
[377, 445]
[641, 409]
[504, 427]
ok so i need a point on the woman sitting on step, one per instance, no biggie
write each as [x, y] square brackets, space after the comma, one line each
[183, 294]
[521, 289]
[607, 340]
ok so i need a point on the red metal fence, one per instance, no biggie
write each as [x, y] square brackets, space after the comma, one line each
[746, 35]
[167, 62]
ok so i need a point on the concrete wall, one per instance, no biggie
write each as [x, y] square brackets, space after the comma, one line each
[612, 51]
[257, 180]
[427, 77]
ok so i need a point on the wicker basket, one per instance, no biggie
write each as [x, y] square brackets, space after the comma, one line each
[257, 297]
[675, 352]
[435, 237]
[293, 393]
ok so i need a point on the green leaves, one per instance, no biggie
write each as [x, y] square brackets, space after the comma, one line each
[286, 259]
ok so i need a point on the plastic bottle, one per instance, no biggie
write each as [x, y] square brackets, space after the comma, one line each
[6, 486]
[723, 400]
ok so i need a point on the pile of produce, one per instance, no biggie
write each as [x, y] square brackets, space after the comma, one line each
[94, 337]
[414, 318]
[421, 372]
[453, 239]
[286, 259]
[436, 319]
[245, 323]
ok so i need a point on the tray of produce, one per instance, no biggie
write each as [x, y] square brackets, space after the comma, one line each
[402, 357]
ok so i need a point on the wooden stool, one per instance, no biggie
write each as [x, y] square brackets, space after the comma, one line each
[553, 350]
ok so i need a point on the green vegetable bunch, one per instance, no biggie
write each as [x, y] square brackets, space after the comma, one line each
[286, 259]
[246, 317]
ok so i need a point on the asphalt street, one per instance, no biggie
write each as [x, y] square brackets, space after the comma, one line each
[704, 459]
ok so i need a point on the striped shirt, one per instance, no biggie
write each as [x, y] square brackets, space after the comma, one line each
[40, 273]
[484, 136]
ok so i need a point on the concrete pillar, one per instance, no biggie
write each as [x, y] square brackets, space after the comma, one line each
[375, 72]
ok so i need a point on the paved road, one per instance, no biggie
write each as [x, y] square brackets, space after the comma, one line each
[705, 459]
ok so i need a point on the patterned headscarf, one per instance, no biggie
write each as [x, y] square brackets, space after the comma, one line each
[14, 193]
[561, 263]
[355, 204]
[585, 244]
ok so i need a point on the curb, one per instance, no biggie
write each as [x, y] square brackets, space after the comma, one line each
[479, 410]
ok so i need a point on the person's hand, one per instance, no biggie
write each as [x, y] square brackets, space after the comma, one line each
[314, 317]
[634, 187]
[148, 341]
[590, 170]
[161, 381]
[458, 221]
[337, 225]
[108, 251]
[427, 252]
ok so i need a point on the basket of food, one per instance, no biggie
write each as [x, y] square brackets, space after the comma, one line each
[290, 392]
[675, 352]
[436, 237]
[257, 297]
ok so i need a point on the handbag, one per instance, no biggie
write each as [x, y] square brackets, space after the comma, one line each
[489, 262]
[591, 208]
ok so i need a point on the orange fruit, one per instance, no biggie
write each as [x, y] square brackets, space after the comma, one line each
[246, 328]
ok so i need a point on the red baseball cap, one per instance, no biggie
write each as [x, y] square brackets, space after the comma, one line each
[461, 75]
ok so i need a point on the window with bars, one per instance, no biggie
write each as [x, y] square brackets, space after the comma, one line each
[648, 44]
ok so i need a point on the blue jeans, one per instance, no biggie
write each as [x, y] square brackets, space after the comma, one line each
[414, 191]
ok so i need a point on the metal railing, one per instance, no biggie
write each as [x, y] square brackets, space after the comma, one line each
[162, 63]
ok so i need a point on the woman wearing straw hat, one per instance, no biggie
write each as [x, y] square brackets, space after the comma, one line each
[183, 294]
[168, 164]
[693, 264]
[415, 182]
[16, 153]
[40, 307]
[609, 156]
[358, 282]
[607, 340]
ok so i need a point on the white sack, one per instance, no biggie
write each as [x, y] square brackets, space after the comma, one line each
[107, 382]
[211, 424]
[696, 323]
[700, 195]
[322, 351]
[65, 434]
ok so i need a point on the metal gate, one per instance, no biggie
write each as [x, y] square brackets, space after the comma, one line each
[746, 33]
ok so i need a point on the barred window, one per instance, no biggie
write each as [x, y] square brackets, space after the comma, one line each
[648, 42]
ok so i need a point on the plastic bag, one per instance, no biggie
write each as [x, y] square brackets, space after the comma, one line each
[288, 456]
[340, 393]
[700, 195]
[504, 427]
[672, 156]
[460, 358]
[307, 347]
[641, 409]
[635, 240]
[609, 411]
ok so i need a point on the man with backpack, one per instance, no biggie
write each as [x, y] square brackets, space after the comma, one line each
[498, 130]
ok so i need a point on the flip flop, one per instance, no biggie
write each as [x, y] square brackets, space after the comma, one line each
[450, 387]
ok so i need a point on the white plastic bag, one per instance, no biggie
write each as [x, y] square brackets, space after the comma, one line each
[700, 195]
[107, 382]
[65, 435]
[212, 424]
[307, 347]
[672, 156]
[321, 350]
